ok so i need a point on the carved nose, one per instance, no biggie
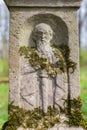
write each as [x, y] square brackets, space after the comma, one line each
[43, 35]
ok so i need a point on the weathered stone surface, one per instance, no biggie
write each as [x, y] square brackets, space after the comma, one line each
[57, 128]
[29, 91]
[19, 35]
[21, 128]
[43, 90]
[61, 90]
[71, 128]
[47, 3]
[29, 88]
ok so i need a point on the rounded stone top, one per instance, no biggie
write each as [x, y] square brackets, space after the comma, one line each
[43, 3]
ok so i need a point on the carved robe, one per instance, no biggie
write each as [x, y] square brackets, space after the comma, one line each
[43, 90]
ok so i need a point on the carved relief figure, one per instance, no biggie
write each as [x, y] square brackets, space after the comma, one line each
[43, 35]
[50, 66]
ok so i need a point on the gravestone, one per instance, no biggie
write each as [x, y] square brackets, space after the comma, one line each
[44, 61]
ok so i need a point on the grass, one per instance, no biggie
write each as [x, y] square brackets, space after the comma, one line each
[3, 68]
[3, 92]
[83, 79]
[83, 57]
[3, 103]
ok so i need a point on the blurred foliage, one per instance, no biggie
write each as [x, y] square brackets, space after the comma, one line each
[3, 68]
[83, 58]
[3, 103]
[83, 79]
[83, 82]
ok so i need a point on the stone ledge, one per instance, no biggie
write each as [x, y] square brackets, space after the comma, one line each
[43, 3]
[70, 128]
[55, 128]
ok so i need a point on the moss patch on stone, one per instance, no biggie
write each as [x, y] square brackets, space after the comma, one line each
[39, 120]
[19, 117]
[76, 117]
[40, 63]
[66, 54]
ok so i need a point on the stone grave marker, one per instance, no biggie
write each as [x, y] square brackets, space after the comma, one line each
[44, 64]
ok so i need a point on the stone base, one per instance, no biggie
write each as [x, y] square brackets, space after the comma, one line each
[70, 128]
[56, 128]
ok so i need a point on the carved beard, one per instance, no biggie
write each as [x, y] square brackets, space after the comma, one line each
[45, 50]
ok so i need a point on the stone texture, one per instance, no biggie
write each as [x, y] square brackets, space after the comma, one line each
[70, 128]
[37, 88]
[29, 91]
[25, 88]
[21, 27]
[57, 128]
[47, 3]
[61, 91]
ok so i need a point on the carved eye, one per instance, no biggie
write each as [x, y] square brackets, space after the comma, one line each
[41, 33]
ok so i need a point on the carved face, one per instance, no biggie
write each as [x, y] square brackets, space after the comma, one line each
[43, 33]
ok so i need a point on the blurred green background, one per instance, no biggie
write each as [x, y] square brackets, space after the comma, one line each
[83, 80]
[3, 91]
[4, 87]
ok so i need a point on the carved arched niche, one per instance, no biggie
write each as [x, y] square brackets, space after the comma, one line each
[58, 26]
[32, 90]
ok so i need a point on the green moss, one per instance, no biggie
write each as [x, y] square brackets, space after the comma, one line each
[62, 52]
[42, 121]
[76, 117]
[66, 53]
[62, 62]
[38, 62]
[37, 118]
[31, 118]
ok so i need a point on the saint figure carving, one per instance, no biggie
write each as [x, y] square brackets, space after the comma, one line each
[49, 86]
[48, 82]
